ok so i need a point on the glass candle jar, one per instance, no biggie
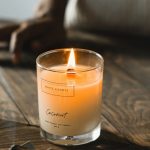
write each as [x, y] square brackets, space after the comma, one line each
[70, 95]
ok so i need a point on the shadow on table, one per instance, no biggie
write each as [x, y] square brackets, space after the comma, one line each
[109, 141]
[25, 65]
[28, 61]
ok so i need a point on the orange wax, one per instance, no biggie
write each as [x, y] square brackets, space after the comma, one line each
[69, 104]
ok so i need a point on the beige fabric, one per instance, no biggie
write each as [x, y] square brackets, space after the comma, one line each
[115, 16]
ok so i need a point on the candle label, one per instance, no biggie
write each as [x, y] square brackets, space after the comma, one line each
[57, 89]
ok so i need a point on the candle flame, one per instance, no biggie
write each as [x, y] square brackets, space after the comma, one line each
[71, 62]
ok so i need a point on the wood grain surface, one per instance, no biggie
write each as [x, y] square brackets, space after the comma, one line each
[16, 133]
[126, 104]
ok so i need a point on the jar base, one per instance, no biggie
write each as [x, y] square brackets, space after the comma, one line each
[72, 140]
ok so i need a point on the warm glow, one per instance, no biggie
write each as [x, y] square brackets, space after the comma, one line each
[71, 62]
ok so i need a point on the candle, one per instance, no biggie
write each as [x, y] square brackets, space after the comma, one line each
[69, 98]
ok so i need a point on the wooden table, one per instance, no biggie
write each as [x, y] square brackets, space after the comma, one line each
[126, 103]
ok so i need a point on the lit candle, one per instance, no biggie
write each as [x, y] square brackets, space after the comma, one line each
[69, 98]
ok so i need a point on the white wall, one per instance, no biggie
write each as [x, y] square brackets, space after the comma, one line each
[17, 9]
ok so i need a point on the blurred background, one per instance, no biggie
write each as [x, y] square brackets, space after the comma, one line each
[16, 9]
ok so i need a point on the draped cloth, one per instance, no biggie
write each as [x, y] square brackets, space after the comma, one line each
[109, 16]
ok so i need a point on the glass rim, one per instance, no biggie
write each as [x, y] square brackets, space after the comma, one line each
[68, 49]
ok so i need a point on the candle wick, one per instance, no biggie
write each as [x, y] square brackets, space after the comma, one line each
[71, 71]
